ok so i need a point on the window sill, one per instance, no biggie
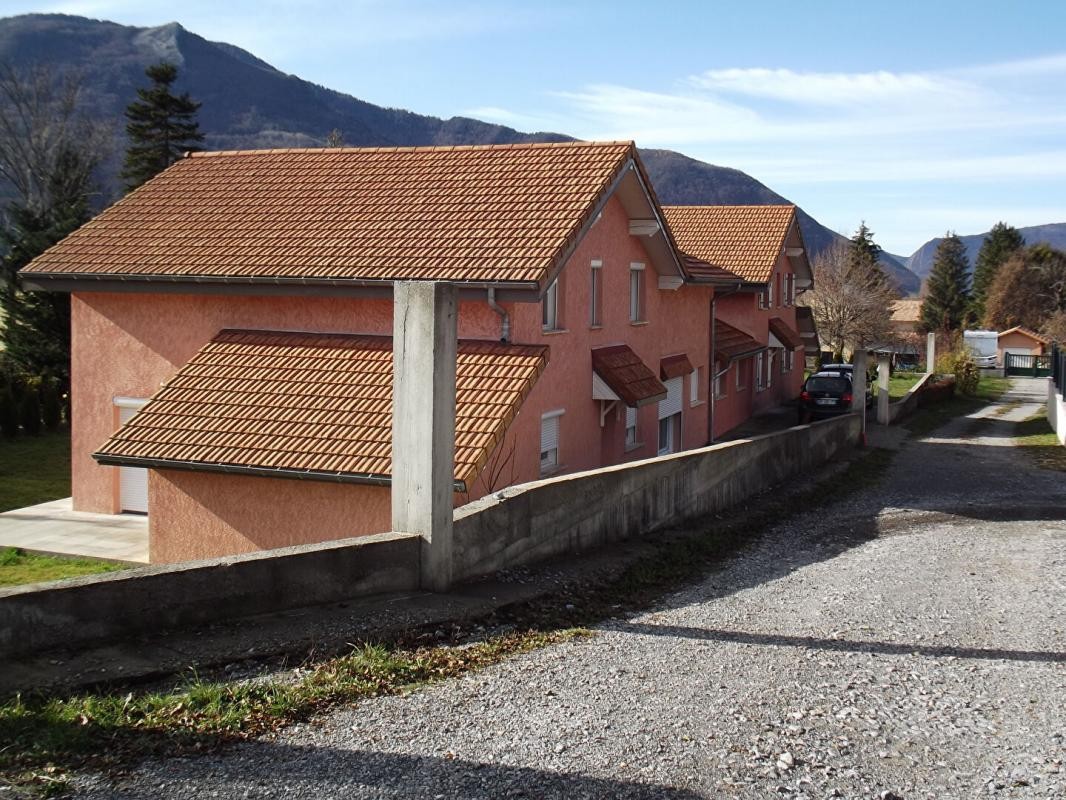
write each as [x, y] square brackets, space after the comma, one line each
[697, 404]
[553, 331]
[638, 323]
[550, 473]
[595, 327]
[629, 448]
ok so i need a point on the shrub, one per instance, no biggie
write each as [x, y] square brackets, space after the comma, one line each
[9, 411]
[51, 404]
[30, 412]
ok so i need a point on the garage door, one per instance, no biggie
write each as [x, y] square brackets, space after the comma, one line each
[132, 481]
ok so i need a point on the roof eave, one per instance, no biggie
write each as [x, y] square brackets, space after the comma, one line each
[110, 459]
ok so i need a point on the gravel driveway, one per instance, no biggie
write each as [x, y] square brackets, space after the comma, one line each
[908, 642]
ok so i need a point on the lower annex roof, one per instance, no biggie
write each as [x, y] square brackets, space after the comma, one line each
[314, 405]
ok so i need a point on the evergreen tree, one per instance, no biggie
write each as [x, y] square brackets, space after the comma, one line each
[36, 332]
[946, 300]
[1000, 243]
[864, 257]
[161, 127]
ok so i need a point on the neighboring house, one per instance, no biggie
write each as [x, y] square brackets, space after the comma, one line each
[906, 318]
[1021, 341]
[756, 259]
[232, 331]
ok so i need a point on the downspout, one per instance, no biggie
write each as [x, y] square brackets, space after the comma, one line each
[714, 373]
[505, 320]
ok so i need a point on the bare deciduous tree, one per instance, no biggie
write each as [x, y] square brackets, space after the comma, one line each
[851, 308]
[42, 124]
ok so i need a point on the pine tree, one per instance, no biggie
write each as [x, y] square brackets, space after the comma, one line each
[864, 257]
[945, 304]
[161, 127]
[36, 332]
[1000, 243]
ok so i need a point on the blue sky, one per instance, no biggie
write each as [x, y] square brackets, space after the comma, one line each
[916, 116]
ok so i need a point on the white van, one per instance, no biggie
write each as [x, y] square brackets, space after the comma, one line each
[984, 345]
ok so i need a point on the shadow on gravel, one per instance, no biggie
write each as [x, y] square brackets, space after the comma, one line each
[838, 645]
[324, 771]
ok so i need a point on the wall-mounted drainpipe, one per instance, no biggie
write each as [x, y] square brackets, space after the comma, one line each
[714, 373]
[505, 319]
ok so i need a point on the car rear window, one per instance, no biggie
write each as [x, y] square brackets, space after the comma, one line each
[828, 385]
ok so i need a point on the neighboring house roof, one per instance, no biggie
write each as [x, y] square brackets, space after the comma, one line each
[808, 331]
[743, 240]
[499, 215]
[732, 343]
[674, 367]
[709, 272]
[313, 406]
[1027, 332]
[906, 310]
[627, 376]
[784, 334]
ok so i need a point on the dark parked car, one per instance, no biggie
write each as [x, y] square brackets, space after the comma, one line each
[824, 394]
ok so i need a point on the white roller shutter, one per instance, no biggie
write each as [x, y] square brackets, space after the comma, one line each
[672, 404]
[631, 417]
[132, 481]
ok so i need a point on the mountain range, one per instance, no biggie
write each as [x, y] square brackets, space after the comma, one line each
[249, 104]
[921, 262]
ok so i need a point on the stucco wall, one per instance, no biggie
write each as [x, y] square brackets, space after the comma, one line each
[197, 515]
[1018, 342]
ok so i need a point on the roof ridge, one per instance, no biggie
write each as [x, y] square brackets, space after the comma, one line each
[413, 149]
[734, 205]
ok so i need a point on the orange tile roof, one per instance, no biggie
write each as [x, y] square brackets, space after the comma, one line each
[906, 310]
[494, 214]
[315, 404]
[744, 240]
[627, 376]
[731, 343]
[1026, 332]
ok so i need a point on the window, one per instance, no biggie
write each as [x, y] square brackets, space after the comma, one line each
[786, 361]
[596, 295]
[740, 374]
[790, 289]
[719, 381]
[770, 369]
[760, 372]
[631, 427]
[762, 299]
[694, 387]
[549, 442]
[636, 292]
[550, 321]
[770, 292]
[670, 417]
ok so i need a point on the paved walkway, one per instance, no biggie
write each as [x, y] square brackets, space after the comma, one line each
[905, 642]
[54, 527]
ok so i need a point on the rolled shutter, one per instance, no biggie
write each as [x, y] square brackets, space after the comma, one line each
[631, 417]
[672, 404]
[549, 433]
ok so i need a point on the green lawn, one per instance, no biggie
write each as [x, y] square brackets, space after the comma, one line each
[18, 567]
[1039, 442]
[901, 383]
[34, 469]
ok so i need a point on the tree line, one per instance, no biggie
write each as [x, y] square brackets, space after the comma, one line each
[51, 153]
[1013, 284]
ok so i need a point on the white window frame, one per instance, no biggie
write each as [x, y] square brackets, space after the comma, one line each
[632, 433]
[636, 292]
[760, 371]
[694, 387]
[550, 314]
[787, 362]
[770, 368]
[720, 381]
[770, 291]
[596, 294]
[551, 464]
[762, 300]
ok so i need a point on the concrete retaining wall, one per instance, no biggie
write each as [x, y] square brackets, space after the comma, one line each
[1056, 411]
[149, 600]
[586, 510]
[909, 404]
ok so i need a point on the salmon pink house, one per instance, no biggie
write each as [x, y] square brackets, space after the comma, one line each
[238, 323]
[756, 257]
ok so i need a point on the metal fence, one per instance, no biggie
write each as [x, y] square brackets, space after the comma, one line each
[1058, 368]
[1031, 366]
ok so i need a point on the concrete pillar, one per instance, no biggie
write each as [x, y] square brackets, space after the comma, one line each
[930, 352]
[423, 421]
[882, 389]
[858, 382]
